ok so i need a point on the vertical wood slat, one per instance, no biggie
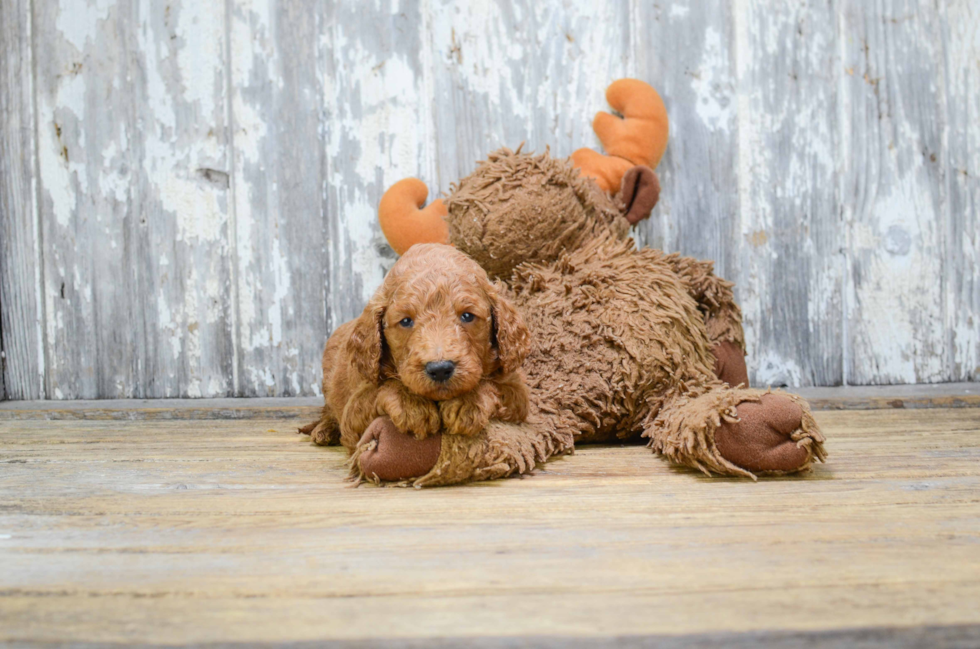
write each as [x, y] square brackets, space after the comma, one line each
[21, 370]
[375, 132]
[961, 38]
[685, 50]
[280, 174]
[790, 267]
[133, 187]
[893, 192]
[88, 257]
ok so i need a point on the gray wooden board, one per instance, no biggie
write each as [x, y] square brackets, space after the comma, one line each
[688, 48]
[962, 278]
[790, 268]
[894, 191]
[189, 189]
[20, 334]
[280, 208]
[133, 154]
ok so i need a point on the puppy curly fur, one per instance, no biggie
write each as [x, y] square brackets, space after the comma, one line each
[375, 365]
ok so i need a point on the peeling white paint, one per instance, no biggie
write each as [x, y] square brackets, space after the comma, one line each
[772, 370]
[201, 33]
[712, 84]
[678, 10]
[78, 20]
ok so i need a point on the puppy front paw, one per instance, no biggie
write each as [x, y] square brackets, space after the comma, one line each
[409, 412]
[421, 420]
[326, 432]
[464, 415]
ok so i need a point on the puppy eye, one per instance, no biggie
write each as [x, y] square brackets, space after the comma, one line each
[406, 322]
[467, 317]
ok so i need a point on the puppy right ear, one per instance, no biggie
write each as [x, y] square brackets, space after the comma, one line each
[510, 334]
[366, 343]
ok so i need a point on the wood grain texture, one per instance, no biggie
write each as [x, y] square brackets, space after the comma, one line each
[790, 267]
[305, 409]
[961, 40]
[133, 159]
[893, 192]
[688, 47]
[377, 131]
[21, 368]
[208, 173]
[187, 532]
[278, 101]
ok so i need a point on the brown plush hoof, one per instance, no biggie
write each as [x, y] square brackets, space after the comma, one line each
[730, 364]
[395, 455]
[761, 441]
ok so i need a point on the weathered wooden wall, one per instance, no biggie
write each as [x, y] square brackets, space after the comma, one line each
[188, 189]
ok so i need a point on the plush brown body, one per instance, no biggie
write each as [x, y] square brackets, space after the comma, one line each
[435, 305]
[623, 339]
[625, 343]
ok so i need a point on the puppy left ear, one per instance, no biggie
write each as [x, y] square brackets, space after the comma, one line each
[510, 334]
[366, 343]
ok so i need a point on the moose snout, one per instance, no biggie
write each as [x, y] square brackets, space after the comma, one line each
[440, 371]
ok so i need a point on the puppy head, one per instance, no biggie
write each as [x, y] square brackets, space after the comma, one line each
[438, 325]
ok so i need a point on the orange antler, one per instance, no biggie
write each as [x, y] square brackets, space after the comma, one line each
[404, 223]
[639, 138]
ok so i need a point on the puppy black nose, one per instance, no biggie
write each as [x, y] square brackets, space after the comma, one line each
[440, 371]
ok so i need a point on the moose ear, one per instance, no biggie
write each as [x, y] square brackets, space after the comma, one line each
[510, 334]
[366, 343]
[639, 193]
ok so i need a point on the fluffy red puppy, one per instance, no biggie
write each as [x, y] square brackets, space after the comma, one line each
[438, 348]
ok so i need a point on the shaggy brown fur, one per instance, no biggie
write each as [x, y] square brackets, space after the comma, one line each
[515, 208]
[435, 305]
[623, 339]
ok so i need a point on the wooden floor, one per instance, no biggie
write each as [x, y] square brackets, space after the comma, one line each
[206, 531]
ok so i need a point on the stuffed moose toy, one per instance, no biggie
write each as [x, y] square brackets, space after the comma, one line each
[624, 343]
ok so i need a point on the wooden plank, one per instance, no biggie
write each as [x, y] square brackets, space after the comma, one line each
[937, 395]
[893, 191]
[686, 51]
[242, 531]
[504, 73]
[961, 39]
[790, 277]
[940, 395]
[134, 205]
[22, 366]
[376, 128]
[300, 410]
[279, 96]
